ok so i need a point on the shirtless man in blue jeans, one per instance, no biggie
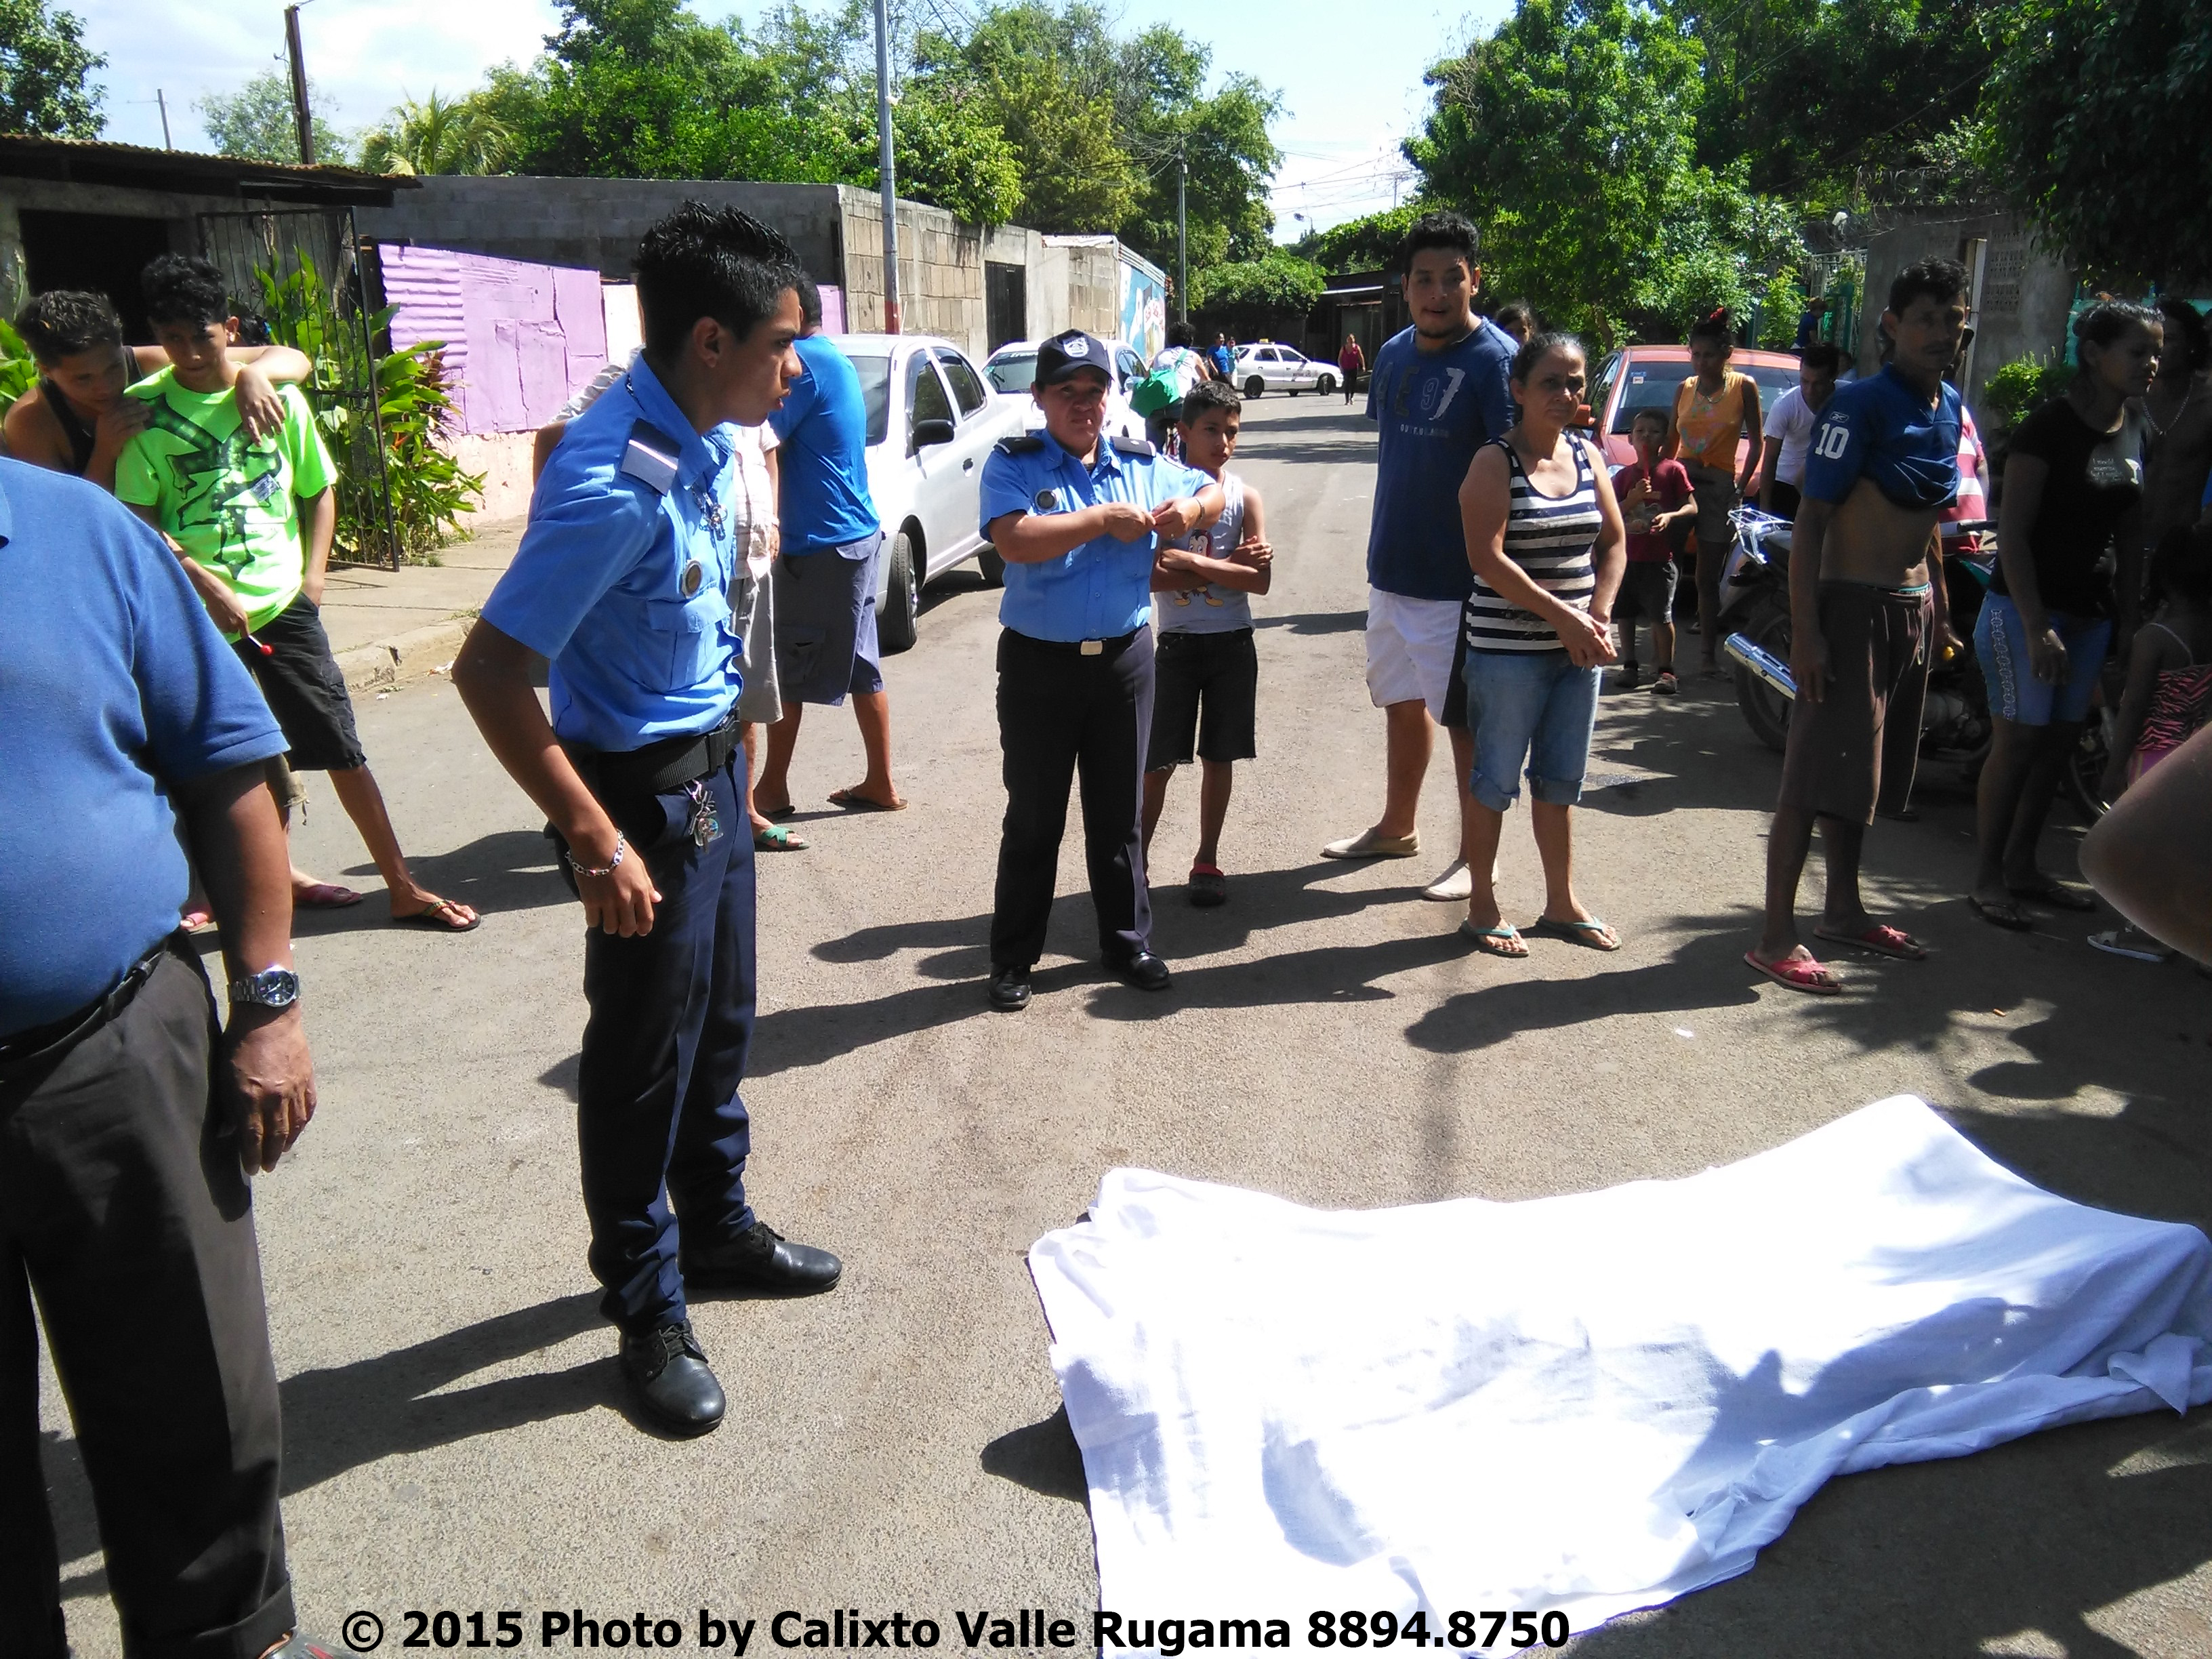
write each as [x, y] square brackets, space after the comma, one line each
[1866, 608]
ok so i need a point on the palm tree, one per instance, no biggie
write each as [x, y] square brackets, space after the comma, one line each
[437, 136]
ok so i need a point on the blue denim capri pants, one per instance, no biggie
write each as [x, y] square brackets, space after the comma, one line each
[1532, 707]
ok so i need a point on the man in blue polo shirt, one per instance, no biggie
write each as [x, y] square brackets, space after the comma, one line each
[128, 1123]
[624, 580]
[1078, 519]
[825, 581]
[1437, 394]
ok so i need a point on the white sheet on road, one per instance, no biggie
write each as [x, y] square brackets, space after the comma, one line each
[1593, 1403]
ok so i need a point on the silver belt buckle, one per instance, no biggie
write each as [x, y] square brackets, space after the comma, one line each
[1092, 647]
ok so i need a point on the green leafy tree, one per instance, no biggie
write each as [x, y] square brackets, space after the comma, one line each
[2095, 117]
[1370, 243]
[1045, 79]
[1251, 295]
[951, 152]
[1808, 92]
[438, 136]
[1568, 134]
[45, 73]
[1161, 112]
[256, 122]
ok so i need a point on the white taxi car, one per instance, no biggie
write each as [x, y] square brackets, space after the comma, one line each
[932, 420]
[1274, 367]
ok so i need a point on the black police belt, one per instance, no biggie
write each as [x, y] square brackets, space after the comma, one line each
[626, 775]
[1112, 645]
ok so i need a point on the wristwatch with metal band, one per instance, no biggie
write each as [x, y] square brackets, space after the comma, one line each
[272, 987]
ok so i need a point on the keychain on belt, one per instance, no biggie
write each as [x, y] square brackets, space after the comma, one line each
[705, 819]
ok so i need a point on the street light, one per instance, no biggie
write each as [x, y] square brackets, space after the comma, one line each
[883, 171]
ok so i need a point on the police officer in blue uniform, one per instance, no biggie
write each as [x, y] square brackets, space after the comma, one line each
[623, 582]
[1078, 519]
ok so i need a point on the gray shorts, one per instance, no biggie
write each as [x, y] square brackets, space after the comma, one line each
[826, 635]
[760, 700]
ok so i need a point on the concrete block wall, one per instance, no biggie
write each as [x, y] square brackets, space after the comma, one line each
[593, 222]
[2020, 308]
[940, 270]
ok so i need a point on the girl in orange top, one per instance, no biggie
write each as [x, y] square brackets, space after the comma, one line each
[1712, 408]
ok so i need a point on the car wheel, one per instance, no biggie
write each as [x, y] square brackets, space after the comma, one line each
[1324, 386]
[1254, 386]
[992, 564]
[896, 628]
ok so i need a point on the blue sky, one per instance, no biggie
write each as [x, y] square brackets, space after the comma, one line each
[1349, 70]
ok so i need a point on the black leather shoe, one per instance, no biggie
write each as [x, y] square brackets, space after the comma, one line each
[668, 1373]
[1144, 971]
[761, 1259]
[1010, 989]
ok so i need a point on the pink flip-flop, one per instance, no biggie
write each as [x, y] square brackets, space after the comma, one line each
[1883, 941]
[1799, 974]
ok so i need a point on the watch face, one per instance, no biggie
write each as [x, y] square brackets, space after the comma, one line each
[272, 987]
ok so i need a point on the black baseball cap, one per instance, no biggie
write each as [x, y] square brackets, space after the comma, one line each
[1069, 352]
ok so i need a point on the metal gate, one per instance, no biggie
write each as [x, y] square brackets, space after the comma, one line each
[1005, 303]
[296, 279]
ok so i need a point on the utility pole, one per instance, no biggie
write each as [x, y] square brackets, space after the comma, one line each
[889, 180]
[162, 98]
[1182, 250]
[300, 116]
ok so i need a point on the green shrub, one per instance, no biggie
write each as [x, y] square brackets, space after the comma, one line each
[1779, 303]
[19, 370]
[429, 490]
[2022, 383]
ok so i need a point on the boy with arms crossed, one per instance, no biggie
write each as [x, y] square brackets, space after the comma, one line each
[1207, 672]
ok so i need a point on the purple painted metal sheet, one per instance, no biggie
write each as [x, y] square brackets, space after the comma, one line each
[517, 337]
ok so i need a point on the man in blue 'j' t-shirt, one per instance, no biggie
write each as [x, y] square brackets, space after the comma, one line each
[1438, 394]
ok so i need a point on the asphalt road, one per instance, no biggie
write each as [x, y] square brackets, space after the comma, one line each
[454, 1426]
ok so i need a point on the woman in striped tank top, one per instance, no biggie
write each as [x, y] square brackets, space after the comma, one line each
[1544, 536]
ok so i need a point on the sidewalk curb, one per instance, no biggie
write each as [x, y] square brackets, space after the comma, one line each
[387, 665]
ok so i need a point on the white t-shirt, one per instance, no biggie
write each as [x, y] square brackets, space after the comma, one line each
[1792, 420]
[1189, 366]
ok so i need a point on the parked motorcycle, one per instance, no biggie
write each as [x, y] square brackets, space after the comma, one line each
[1954, 728]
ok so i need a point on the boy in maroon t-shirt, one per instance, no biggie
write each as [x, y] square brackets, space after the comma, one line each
[1654, 495]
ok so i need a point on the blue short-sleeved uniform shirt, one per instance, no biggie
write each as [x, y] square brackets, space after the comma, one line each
[114, 687]
[822, 426]
[1433, 410]
[1880, 428]
[1102, 589]
[622, 581]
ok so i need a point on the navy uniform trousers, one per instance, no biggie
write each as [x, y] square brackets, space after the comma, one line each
[660, 1125]
[123, 1205]
[1063, 715]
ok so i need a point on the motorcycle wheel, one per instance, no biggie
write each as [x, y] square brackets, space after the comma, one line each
[2085, 767]
[1766, 710]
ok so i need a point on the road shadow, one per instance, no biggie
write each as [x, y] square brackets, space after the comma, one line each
[1332, 973]
[1044, 1457]
[507, 870]
[339, 1418]
[1316, 622]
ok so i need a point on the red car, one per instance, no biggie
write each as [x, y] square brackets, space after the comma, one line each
[1645, 377]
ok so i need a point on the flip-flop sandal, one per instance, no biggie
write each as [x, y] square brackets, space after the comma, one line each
[2057, 895]
[1883, 941]
[1667, 685]
[1207, 886]
[325, 895]
[1591, 935]
[429, 919]
[777, 839]
[853, 802]
[2002, 913]
[2116, 943]
[196, 921]
[1491, 941]
[1799, 974]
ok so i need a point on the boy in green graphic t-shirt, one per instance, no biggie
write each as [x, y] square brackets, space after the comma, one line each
[252, 519]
